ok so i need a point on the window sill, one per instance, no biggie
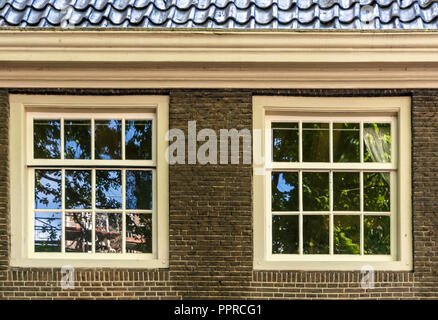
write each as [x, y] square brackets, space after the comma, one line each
[327, 265]
[95, 262]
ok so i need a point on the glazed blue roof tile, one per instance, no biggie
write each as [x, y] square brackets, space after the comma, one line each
[225, 14]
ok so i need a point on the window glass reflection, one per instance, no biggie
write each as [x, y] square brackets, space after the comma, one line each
[108, 189]
[47, 232]
[48, 189]
[108, 139]
[109, 232]
[139, 233]
[138, 139]
[46, 139]
[77, 139]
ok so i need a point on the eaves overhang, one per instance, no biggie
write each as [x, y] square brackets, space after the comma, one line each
[170, 58]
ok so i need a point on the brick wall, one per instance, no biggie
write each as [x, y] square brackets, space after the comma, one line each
[211, 218]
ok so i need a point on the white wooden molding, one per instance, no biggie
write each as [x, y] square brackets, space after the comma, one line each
[218, 59]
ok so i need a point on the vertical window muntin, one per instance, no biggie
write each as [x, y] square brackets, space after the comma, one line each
[92, 164]
[331, 167]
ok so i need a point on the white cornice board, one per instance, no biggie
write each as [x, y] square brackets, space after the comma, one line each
[219, 59]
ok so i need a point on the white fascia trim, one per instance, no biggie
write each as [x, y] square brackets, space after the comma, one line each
[218, 59]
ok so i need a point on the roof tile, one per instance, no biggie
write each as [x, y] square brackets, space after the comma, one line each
[248, 14]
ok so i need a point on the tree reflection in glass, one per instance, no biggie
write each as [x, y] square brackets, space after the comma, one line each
[316, 142]
[138, 189]
[377, 195]
[346, 189]
[346, 142]
[78, 227]
[48, 189]
[139, 233]
[316, 191]
[346, 234]
[377, 235]
[316, 234]
[108, 139]
[47, 232]
[77, 139]
[284, 191]
[108, 232]
[285, 141]
[46, 139]
[285, 234]
[138, 139]
[78, 189]
[108, 189]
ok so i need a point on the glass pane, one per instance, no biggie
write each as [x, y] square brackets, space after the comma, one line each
[78, 189]
[284, 191]
[377, 195]
[316, 191]
[47, 226]
[48, 189]
[346, 189]
[346, 234]
[346, 142]
[138, 189]
[108, 139]
[139, 233]
[108, 189]
[285, 234]
[316, 142]
[377, 142]
[316, 234]
[138, 139]
[377, 237]
[78, 232]
[285, 142]
[77, 139]
[109, 232]
[47, 139]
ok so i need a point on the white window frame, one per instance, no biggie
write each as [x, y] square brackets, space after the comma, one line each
[23, 109]
[328, 109]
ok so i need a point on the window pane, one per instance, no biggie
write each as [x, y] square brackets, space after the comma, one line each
[346, 142]
[108, 139]
[138, 139]
[47, 226]
[285, 234]
[346, 189]
[346, 234]
[285, 141]
[316, 191]
[377, 235]
[48, 189]
[77, 139]
[377, 193]
[78, 189]
[284, 191]
[316, 234]
[47, 139]
[78, 232]
[138, 189]
[139, 233]
[316, 142]
[108, 189]
[377, 142]
[109, 232]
